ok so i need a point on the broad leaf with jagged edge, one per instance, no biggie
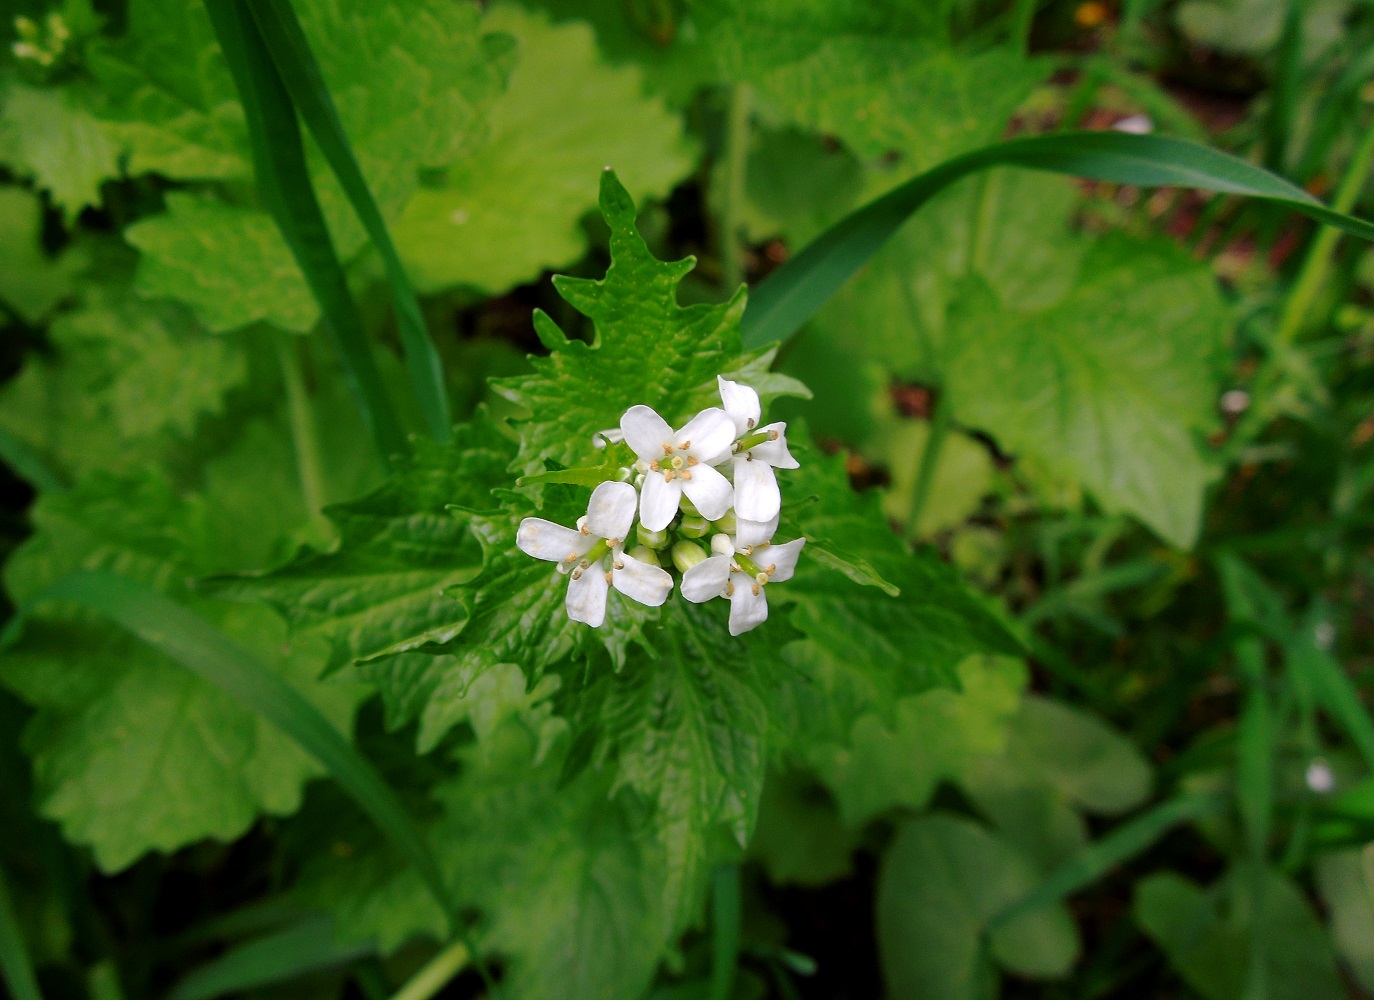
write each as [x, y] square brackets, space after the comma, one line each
[648, 348]
[49, 134]
[180, 117]
[131, 751]
[513, 207]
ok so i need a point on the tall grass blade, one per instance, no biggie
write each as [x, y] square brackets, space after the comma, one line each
[201, 648]
[1332, 687]
[15, 967]
[284, 181]
[792, 294]
[290, 51]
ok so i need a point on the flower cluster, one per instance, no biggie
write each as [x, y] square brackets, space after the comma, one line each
[712, 477]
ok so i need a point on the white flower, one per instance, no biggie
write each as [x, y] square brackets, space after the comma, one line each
[593, 555]
[680, 462]
[741, 570]
[757, 453]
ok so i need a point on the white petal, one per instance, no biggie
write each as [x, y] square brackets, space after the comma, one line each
[782, 557]
[749, 532]
[775, 453]
[639, 581]
[546, 540]
[708, 435]
[747, 608]
[709, 490]
[742, 403]
[756, 490]
[612, 510]
[706, 579]
[658, 503]
[587, 596]
[645, 432]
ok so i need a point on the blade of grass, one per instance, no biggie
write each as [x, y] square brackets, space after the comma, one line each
[15, 967]
[278, 957]
[284, 181]
[793, 293]
[436, 973]
[1333, 689]
[290, 52]
[1122, 844]
[197, 645]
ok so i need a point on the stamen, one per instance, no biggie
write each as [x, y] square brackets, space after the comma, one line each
[685, 474]
[583, 564]
[669, 475]
[748, 456]
[667, 450]
[749, 424]
[608, 576]
[585, 530]
[619, 564]
[729, 589]
[685, 445]
[653, 466]
[755, 588]
[572, 557]
[771, 569]
[577, 573]
[772, 435]
[691, 460]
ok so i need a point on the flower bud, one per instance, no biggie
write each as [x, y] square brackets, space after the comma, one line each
[652, 539]
[722, 546]
[693, 527]
[687, 507]
[686, 555]
[727, 523]
[645, 555]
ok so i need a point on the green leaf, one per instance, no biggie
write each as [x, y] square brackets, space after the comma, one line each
[875, 77]
[15, 967]
[1207, 935]
[32, 284]
[49, 134]
[800, 838]
[688, 730]
[897, 757]
[1058, 761]
[277, 957]
[513, 207]
[133, 753]
[1346, 882]
[382, 588]
[126, 381]
[942, 880]
[207, 253]
[1112, 387]
[648, 349]
[571, 894]
[794, 292]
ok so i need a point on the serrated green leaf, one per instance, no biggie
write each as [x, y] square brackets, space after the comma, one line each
[512, 208]
[1208, 936]
[49, 134]
[31, 282]
[687, 730]
[942, 880]
[897, 758]
[648, 349]
[382, 589]
[127, 379]
[207, 254]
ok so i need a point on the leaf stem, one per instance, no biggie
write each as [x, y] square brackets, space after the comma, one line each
[15, 968]
[930, 458]
[436, 973]
[1318, 261]
[1022, 17]
[303, 433]
[725, 895]
[736, 159]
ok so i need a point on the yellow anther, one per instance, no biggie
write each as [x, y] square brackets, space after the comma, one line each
[667, 449]
[771, 569]
[772, 435]
[585, 530]
[729, 589]
[685, 474]
[669, 476]
[691, 460]
[653, 466]
[619, 564]
[685, 445]
[572, 557]
[608, 576]
[755, 588]
[749, 425]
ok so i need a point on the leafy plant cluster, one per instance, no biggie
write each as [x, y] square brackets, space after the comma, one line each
[1066, 696]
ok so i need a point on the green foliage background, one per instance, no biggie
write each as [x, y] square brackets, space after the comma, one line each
[1066, 698]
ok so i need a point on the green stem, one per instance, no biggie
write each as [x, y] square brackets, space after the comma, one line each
[1318, 262]
[303, 434]
[15, 969]
[726, 906]
[1022, 17]
[436, 974]
[736, 156]
[930, 458]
